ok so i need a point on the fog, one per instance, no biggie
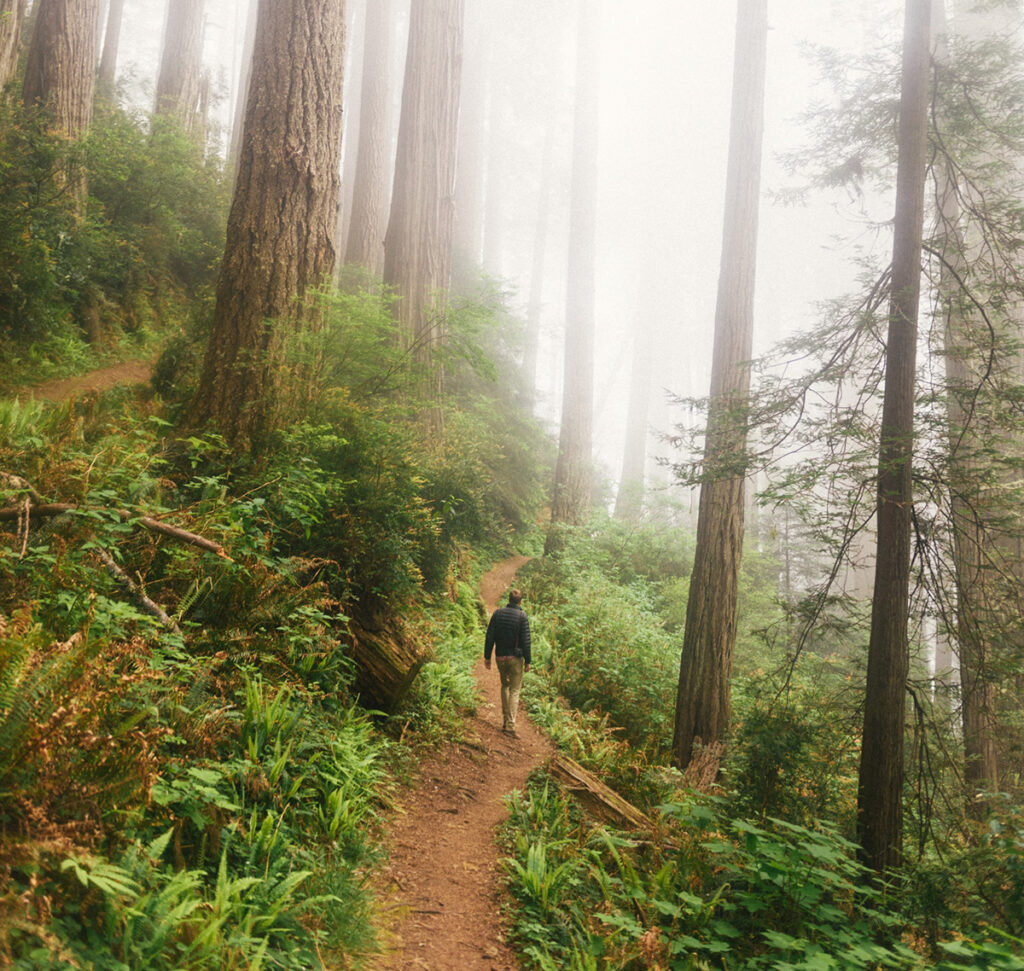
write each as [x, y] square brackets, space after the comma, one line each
[666, 68]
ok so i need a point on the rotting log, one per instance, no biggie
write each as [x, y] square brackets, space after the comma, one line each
[596, 798]
[387, 657]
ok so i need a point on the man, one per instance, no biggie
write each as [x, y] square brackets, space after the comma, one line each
[508, 635]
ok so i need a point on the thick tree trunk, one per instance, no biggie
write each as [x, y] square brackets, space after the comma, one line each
[371, 177]
[418, 243]
[880, 783]
[60, 74]
[12, 14]
[280, 236]
[573, 468]
[705, 667]
[61, 66]
[181, 65]
[106, 76]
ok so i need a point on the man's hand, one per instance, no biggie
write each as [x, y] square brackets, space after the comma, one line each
[487, 663]
[526, 667]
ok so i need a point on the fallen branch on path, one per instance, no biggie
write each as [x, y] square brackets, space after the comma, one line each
[597, 798]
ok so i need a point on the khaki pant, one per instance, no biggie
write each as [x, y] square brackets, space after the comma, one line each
[511, 670]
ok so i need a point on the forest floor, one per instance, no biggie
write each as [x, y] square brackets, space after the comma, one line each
[441, 887]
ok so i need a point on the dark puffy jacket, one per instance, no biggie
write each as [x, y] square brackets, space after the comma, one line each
[507, 624]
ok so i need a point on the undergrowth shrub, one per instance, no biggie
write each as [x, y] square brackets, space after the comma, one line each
[791, 755]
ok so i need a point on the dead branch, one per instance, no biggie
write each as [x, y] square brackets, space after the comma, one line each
[15, 482]
[135, 591]
[42, 510]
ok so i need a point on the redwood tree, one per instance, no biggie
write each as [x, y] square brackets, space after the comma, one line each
[281, 228]
[571, 499]
[365, 243]
[418, 243]
[61, 65]
[179, 82]
[880, 783]
[12, 14]
[106, 74]
[60, 71]
[705, 667]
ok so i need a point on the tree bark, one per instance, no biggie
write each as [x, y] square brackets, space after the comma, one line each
[181, 65]
[61, 66]
[880, 781]
[106, 76]
[418, 243]
[12, 15]
[60, 75]
[573, 468]
[365, 244]
[705, 667]
[283, 219]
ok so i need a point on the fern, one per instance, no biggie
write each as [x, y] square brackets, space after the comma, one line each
[30, 688]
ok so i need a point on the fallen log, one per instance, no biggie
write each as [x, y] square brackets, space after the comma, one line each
[44, 510]
[388, 655]
[596, 798]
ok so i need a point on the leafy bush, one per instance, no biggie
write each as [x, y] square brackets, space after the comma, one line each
[790, 755]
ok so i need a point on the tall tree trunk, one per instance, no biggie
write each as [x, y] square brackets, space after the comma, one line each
[880, 782]
[12, 14]
[418, 243]
[179, 81]
[573, 469]
[60, 71]
[705, 666]
[365, 245]
[280, 236]
[242, 91]
[355, 27]
[106, 75]
[535, 302]
[469, 189]
[494, 229]
[629, 500]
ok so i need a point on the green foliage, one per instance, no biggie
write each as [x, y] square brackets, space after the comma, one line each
[791, 755]
[150, 231]
[39, 248]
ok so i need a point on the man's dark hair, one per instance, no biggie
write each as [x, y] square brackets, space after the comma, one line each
[514, 597]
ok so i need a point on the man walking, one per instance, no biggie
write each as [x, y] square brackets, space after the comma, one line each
[508, 636]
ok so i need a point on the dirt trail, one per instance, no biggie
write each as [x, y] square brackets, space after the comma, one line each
[442, 879]
[59, 389]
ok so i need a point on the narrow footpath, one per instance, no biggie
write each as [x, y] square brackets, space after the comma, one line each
[442, 883]
[59, 389]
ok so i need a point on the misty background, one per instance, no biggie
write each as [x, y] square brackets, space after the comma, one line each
[665, 84]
